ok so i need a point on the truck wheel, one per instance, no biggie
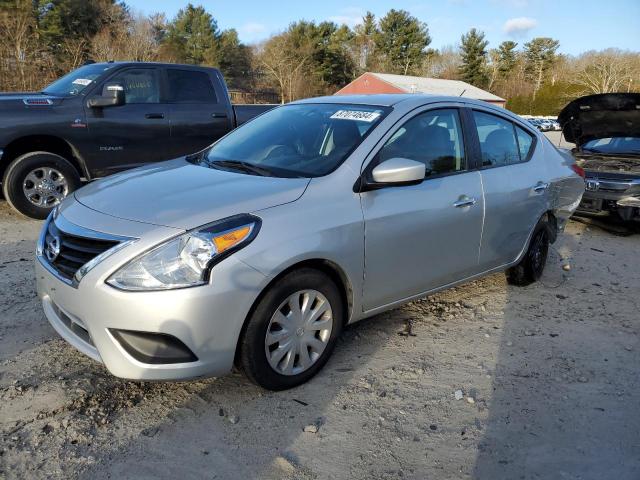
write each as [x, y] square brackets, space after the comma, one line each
[36, 182]
[531, 266]
[293, 330]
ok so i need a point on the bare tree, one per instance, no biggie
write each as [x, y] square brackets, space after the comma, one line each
[444, 63]
[284, 65]
[136, 40]
[607, 71]
[17, 41]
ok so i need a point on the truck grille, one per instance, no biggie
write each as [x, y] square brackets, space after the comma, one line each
[74, 251]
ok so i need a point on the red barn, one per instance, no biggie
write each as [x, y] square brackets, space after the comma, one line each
[370, 83]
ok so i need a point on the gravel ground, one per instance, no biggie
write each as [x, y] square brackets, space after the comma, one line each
[483, 381]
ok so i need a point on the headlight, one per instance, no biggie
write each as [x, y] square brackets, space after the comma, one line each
[186, 261]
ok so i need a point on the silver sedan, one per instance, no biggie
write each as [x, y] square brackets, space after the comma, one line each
[258, 250]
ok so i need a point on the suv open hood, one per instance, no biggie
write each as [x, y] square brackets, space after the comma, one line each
[182, 195]
[601, 116]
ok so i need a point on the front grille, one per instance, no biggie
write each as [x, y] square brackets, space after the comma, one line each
[75, 251]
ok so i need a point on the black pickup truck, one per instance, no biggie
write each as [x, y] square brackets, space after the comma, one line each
[106, 117]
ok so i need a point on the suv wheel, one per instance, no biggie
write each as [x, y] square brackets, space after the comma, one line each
[36, 182]
[530, 268]
[293, 330]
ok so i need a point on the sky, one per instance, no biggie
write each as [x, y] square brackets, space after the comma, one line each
[579, 25]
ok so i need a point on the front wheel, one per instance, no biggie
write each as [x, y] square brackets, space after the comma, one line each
[36, 182]
[532, 265]
[292, 331]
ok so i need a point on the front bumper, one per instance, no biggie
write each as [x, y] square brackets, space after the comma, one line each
[605, 197]
[206, 319]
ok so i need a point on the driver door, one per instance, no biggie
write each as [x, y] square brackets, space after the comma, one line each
[421, 237]
[132, 134]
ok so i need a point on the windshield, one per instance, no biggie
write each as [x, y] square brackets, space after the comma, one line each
[613, 145]
[74, 83]
[308, 140]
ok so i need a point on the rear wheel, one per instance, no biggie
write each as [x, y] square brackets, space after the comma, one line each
[532, 265]
[36, 182]
[293, 330]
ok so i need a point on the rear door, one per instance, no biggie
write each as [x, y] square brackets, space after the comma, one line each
[515, 182]
[425, 236]
[199, 112]
[132, 134]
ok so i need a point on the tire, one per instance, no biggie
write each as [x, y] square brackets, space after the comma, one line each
[253, 345]
[532, 265]
[38, 177]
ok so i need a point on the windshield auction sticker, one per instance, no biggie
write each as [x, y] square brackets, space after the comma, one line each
[358, 115]
[81, 81]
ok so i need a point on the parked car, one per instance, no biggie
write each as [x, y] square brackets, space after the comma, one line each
[606, 131]
[254, 251]
[535, 122]
[107, 117]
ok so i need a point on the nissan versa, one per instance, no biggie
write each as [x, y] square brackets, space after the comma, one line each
[258, 250]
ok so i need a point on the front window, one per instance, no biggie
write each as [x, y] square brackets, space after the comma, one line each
[308, 140]
[613, 145]
[74, 83]
[433, 138]
[140, 85]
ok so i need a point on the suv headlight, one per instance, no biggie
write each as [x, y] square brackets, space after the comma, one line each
[186, 261]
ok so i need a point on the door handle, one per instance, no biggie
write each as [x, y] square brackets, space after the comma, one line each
[465, 202]
[540, 187]
[154, 115]
[218, 115]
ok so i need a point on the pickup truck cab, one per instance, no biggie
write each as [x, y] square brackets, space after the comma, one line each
[106, 117]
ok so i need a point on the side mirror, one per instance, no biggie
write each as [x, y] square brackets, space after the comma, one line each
[112, 96]
[395, 172]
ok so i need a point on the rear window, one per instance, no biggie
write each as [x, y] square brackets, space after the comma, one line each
[498, 143]
[186, 86]
[525, 142]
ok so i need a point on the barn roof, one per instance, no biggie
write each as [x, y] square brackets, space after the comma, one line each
[437, 86]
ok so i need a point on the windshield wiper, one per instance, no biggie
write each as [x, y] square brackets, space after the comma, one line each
[243, 166]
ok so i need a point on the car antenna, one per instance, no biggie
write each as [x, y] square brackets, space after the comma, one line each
[462, 92]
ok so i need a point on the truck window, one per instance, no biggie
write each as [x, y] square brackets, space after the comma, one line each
[188, 86]
[140, 85]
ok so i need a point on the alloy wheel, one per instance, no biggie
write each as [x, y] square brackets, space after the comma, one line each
[45, 187]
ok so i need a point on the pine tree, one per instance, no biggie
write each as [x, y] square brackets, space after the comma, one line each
[364, 41]
[402, 41]
[192, 35]
[507, 57]
[473, 50]
[540, 55]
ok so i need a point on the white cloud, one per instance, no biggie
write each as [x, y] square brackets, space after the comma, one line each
[350, 16]
[517, 27]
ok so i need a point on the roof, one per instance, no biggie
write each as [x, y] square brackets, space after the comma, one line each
[437, 86]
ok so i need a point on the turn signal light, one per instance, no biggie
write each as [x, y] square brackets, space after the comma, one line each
[226, 240]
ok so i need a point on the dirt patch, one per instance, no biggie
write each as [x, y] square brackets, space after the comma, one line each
[482, 381]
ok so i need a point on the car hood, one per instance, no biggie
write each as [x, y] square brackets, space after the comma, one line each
[182, 195]
[601, 116]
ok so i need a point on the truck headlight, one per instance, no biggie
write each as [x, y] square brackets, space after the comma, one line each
[186, 261]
